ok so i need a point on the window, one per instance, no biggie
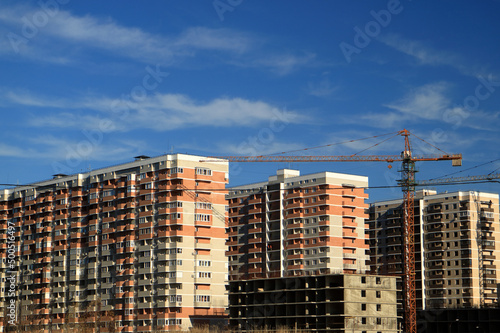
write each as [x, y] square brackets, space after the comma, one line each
[202, 298]
[204, 263]
[204, 275]
[363, 307]
[203, 205]
[176, 170]
[203, 171]
[202, 217]
[363, 293]
[174, 204]
[145, 231]
[108, 193]
[379, 307]
[175, 298]
[488, 215]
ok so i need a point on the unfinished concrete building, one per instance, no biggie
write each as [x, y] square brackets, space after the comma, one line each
[322, 303]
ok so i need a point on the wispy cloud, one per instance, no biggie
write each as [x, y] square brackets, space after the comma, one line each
[68, 38]
[282, 64]
[70, 154]
[159, 112]
[7, 150]
[428, 55]
[425, 102]
[323, 88]
[431, 104]
[245, 147]
[65, 30]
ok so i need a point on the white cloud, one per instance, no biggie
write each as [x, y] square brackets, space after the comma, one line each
[214, 39]
[65, 31]
[13, 151]
[67, 38]
[248, 147]
[159, 112]
[282, 64]
[379, 120]
[27, 99]
[426, 102]
[322, 89]
[427, 55]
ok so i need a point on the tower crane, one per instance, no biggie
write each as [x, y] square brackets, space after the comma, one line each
[407, 184]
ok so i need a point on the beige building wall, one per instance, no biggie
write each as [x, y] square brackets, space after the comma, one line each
[142, 244]
[296, 225]
[456, 252]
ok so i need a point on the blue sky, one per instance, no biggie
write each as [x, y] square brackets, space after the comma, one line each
[86, 84]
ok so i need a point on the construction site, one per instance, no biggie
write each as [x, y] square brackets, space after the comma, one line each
[163, 244]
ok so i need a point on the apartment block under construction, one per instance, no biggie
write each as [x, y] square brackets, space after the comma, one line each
[319, 303]
[298, 225]
[456, 247]
[139, 246]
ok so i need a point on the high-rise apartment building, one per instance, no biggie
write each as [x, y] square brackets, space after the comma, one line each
[298, 225]
[456, 246]
[140, 245]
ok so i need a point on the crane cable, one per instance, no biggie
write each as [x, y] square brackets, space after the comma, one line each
[331, 144]
[474, 167]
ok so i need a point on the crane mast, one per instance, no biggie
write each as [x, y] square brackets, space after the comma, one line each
[408, 183]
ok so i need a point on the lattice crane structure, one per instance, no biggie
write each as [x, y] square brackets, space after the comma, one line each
[407, 184]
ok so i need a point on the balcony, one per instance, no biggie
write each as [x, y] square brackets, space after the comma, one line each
[434, 236]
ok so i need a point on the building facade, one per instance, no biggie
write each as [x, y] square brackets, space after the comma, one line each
[139, 245]
[320, 303]
[298, 225]
[456, 253]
